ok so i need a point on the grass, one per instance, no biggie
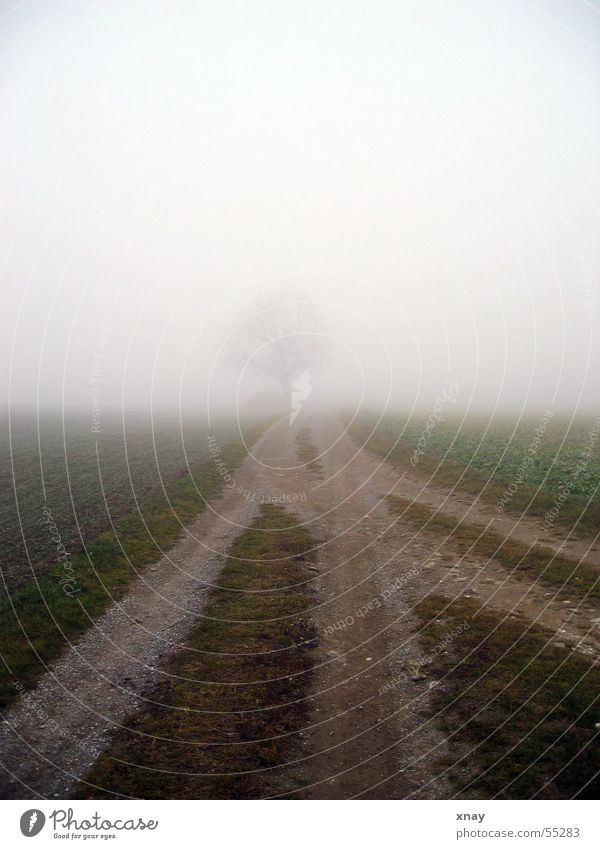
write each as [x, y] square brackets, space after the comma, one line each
[230, 713]
[307, 450]
[85, 478]
[484, 458]
[525, 710]
[538, 562]
[39, 619]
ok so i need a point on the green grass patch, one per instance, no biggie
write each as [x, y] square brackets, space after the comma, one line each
[39, 619]
[485, 458]
[538, 562]
[220, 727]
[525, 710]
[307, 450]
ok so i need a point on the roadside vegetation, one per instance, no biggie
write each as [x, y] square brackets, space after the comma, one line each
[307, 450]
[525, 712]
[525, 468]
[537, 562]
[227, 716]
[85, 479]
[43, 615]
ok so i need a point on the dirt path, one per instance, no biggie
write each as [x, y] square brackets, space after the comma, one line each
[55, 732]
[367, 738]
[369, 480]
[372, 731]
[455, 502]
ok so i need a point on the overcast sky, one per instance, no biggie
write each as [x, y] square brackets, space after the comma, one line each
[428, 171]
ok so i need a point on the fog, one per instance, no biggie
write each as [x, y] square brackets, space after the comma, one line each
[424, 175]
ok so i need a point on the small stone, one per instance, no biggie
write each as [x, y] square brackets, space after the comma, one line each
[418, 676]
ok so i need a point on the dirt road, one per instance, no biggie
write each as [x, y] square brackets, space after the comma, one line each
[373, 732]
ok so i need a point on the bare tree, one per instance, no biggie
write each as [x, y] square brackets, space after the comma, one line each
[281, 339]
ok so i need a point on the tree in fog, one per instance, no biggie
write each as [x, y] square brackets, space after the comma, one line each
[284, 340]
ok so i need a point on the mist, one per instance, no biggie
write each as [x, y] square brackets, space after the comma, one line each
[423, 175]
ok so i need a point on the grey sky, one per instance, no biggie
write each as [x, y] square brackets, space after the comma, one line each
[429, 170]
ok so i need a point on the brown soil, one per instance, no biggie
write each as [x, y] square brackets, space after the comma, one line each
[372, 730]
